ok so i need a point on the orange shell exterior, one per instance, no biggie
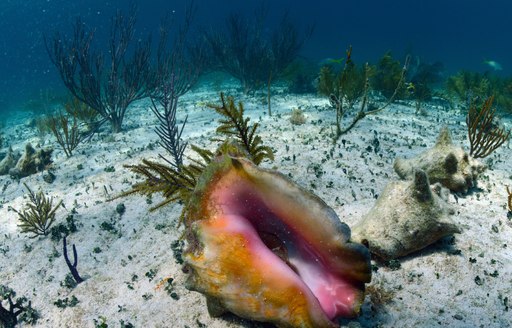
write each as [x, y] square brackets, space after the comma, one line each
[228, 265]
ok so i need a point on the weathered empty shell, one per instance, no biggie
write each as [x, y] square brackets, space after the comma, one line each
[445, 163]
[407, 217]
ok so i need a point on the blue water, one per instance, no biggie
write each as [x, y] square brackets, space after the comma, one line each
[460, 34]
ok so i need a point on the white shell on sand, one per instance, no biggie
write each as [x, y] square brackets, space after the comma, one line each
[407, 217]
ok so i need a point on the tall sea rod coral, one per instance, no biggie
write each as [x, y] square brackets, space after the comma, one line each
[109, 81]
[106, 81]
[168, 131]
[509, 202]
[243, 51]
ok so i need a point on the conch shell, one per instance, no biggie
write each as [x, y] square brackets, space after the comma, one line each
[445, 163]
[266, 249]
[408, 216]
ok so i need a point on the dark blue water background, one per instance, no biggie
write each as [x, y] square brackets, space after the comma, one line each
[460, 34]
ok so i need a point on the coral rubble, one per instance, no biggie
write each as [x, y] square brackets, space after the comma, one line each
[32, 161]
[8, 162]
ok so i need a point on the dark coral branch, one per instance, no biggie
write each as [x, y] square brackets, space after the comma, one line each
[182, 60]
[72, 266]
[509, 201]
[9, 316]
[168, 131]
[107, 88]
[244, 51]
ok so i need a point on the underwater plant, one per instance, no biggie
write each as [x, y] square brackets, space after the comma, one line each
[178, 183]
[469, 88]
[168, 131]
[285, 45]
[244, 52]
[345, 86]
[174, 185]
[66, 130]
[300, 76]
[39, 214]
[83, 113]
[421, 77]
[388, 74]
[349, 90]
[502, 93]
[234, 124]
[483, 133]
[110, 86]
[107, 86]
[472, 88]
[326, 78]
[18, 309]
[241, 52]
[182, 61]
[72, 266]
[348, 84]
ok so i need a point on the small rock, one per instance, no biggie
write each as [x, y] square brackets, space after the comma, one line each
[49, 177]
[120, 209]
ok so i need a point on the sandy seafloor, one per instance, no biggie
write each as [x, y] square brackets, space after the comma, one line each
[433, 288]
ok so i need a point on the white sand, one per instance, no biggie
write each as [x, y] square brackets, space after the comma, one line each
[432, 288]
